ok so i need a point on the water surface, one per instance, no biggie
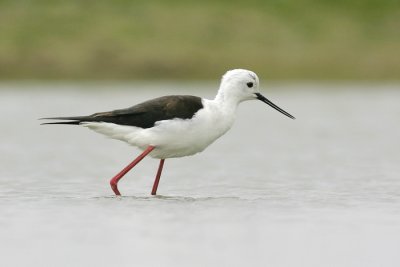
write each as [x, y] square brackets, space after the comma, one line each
[323, 190]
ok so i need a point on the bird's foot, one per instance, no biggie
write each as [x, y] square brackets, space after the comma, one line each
[114, 187]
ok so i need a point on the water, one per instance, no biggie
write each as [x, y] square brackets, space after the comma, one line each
[323, 190]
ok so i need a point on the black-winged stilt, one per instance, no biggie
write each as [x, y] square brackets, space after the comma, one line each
[177, 125]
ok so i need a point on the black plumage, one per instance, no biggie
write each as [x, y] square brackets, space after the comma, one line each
[145, 114]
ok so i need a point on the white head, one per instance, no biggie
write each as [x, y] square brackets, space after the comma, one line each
[239, 85]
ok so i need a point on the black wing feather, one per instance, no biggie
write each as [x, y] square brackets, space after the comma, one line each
[143, 115]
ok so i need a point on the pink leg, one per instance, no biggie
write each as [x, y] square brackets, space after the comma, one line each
[116, 178]
[157, 180]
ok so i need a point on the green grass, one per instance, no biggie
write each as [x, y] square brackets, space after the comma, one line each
[122, 39]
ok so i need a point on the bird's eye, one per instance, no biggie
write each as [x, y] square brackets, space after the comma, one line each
[249, 84]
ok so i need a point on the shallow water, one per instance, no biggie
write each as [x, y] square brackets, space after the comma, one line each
[323, 190]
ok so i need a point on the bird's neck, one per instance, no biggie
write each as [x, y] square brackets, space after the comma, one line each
[223, 112]
[226, 101]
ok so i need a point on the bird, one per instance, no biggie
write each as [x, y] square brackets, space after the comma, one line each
[174, 126]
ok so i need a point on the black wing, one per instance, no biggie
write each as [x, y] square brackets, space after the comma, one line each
[143, 115]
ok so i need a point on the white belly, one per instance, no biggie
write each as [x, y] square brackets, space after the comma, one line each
[172, 138]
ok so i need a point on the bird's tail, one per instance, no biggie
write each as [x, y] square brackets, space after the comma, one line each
[65, 120]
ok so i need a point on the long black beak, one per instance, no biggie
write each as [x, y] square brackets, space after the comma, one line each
[265, 100]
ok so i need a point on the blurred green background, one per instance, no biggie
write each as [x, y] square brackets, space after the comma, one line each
[121, 39]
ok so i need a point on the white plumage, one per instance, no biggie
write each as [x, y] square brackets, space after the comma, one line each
[185, 137]
[175, 126]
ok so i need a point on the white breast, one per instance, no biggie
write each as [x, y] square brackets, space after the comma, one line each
[177, 137]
